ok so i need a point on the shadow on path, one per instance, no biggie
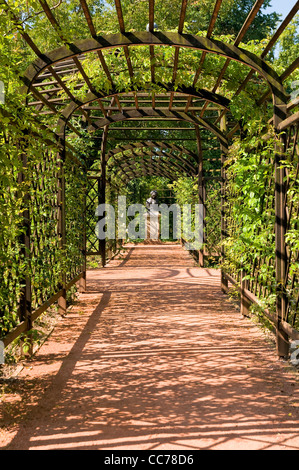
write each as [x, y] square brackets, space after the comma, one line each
[147, 362]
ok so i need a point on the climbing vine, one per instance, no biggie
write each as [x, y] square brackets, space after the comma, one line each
[30, 184]
[250, 209]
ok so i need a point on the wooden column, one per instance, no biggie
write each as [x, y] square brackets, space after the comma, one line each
[282, 339]
[224, 150]
[101, 200]
[25, 304]
[102, 189]
[82, 282]
[245, 303]
[102, 181]
[62, 228]
[201, 194]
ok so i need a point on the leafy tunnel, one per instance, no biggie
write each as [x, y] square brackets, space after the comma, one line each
[110, 101]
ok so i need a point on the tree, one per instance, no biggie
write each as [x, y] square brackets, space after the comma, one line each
[231, 16]
[289, 45]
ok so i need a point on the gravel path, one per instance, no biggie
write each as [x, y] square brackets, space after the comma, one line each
[153, 356]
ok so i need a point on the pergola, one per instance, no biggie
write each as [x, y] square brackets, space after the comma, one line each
[200, 113]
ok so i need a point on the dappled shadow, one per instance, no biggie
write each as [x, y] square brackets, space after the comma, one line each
[126, 258]
[152, 362]
[153, 256]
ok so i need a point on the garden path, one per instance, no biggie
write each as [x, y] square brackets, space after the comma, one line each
[153, 357]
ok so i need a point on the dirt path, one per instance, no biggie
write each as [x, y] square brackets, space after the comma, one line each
[153, 356]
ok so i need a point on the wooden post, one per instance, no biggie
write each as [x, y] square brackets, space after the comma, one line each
[101, 200]
[62, 228]
[224, 149]
[282, 339]
[201, 194]
[25, 305]
[102, 189]
[82, 282]
[245, 303]
[102, 181]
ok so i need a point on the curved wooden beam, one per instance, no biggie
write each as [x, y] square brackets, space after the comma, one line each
[153, 144]
[133, 158]
[157, 38]
[150, 112]
[73, 106]
[146, 164]
[164, 39]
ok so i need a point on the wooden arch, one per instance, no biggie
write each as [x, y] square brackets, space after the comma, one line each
[69, 57]
[143, 156]
[169, 148]
[150, 112]
[177, 40]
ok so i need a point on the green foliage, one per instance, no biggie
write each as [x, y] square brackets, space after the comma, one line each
[289, 46]
[232, 15]
[250, 205]
[21, 134]
[75, 179]
[250, 244]
[288, 51]
[189, 59]
[186, 192]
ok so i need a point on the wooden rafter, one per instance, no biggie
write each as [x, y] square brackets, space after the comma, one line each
[53, 71]
[254, 11]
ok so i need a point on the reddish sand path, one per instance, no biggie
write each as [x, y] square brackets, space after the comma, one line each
[154, 356]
